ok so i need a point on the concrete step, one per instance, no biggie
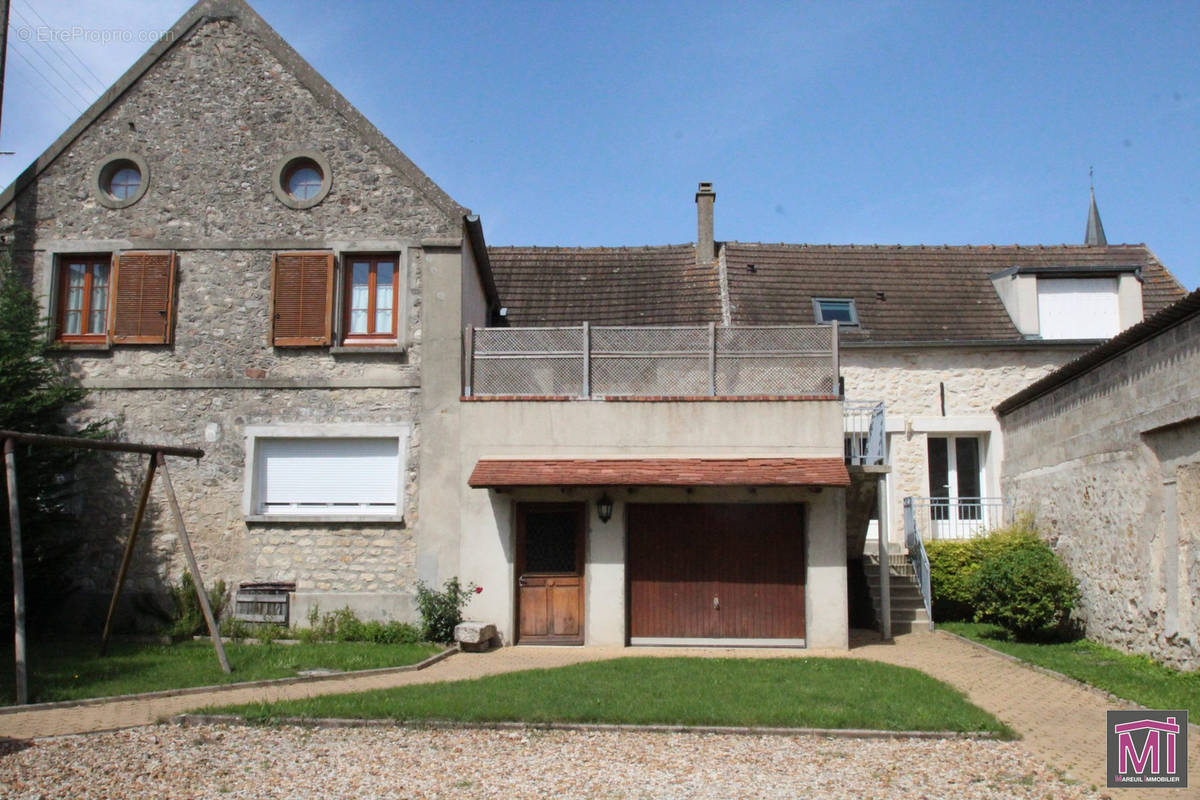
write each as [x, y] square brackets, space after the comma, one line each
[895, 582]
[906, 611]
[904, 599]
[907, 605]
[895, 558]
[901, 602]
[906, 568]
[908, 626]
[898, 593]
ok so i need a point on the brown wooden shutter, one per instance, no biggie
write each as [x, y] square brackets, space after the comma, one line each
[143, 291]
[302, 300]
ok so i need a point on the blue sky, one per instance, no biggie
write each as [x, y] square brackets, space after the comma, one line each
[590, 123]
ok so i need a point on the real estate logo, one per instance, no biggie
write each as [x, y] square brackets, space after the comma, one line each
[1147, 748]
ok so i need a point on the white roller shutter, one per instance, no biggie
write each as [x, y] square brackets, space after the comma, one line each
[321, 476]
[1078, 308]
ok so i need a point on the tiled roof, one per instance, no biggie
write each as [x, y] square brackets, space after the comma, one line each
[605, 286]
[660, 472]
[911, 294]
[902, 294]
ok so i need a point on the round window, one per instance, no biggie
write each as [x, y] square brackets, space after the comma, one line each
[301, 179]
[120, 180]
[304, 179]
[124, 181]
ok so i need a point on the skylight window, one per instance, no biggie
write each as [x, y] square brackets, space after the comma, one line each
[827, 310]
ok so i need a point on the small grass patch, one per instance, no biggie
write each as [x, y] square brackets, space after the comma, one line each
[811, 692]
[74, 670]
[1132, 677]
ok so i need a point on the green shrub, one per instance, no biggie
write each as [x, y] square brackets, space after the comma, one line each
[234, 628]
[1026, 590]
[343, 625]
[187, 619]
[441, 611]
[953, 564]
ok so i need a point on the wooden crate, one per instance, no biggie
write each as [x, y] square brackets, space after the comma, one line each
[263, 602]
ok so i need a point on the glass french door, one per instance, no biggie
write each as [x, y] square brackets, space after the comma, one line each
[956, 508]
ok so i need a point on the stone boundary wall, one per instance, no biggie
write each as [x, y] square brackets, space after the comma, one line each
[1109, 464]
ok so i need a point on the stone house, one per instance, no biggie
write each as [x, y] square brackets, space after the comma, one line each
[232, 257]
[1106, 452]
[622, 445]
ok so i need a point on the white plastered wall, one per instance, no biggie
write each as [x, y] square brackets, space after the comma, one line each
[584, 429]
[488, 556]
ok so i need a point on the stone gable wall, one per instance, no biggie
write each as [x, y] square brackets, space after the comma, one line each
[212, 119]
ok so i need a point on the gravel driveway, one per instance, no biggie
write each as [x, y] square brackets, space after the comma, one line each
[290, 762]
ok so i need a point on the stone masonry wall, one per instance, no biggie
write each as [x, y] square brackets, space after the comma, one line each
[908, 381]
[212, 119]
[1093, 460]
[325, 557]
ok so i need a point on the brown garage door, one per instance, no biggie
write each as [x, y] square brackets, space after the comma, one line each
[715, 572]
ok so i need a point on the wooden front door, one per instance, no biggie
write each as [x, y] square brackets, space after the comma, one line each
[715, 572]
[549, 566]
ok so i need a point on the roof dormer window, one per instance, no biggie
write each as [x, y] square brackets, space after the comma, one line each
[827, 310]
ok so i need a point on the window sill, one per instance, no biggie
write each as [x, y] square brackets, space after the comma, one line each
[323, 519]
[101, 344]
[363, 349]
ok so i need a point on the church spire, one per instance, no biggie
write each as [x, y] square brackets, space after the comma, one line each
[1095, 228]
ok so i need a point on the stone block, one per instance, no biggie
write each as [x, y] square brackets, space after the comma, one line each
[475, 637]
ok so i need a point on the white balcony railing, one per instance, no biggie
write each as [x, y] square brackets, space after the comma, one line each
[592, 361]
[956, 518]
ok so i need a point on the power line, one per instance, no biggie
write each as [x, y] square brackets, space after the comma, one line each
[66, 81]
[67, 46]
[37, 72]
[84, 81]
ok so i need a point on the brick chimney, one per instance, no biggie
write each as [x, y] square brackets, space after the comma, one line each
[705, 199]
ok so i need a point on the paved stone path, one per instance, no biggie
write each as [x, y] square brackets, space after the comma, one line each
[1061, 723]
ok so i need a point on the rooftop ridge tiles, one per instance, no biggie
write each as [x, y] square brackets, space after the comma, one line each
[966, 246]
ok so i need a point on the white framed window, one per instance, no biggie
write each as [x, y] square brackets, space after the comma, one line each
[1078, 308]
[331, 473]
[958, 508]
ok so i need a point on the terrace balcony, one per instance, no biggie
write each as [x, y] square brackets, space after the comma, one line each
[671, 363]
[600, 362]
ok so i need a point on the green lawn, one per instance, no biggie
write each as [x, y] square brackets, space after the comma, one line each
[1132, 677]
[813, 692]
[73, 670]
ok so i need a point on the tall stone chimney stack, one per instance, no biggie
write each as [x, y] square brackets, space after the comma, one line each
[705, 199]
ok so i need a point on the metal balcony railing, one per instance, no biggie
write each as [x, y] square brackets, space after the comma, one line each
[959, 517]
[864, 424]
[592, 361]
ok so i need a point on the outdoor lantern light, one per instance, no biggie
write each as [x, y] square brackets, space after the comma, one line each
[604, 507]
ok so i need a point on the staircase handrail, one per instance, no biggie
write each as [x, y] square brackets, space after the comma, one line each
[918, 557]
